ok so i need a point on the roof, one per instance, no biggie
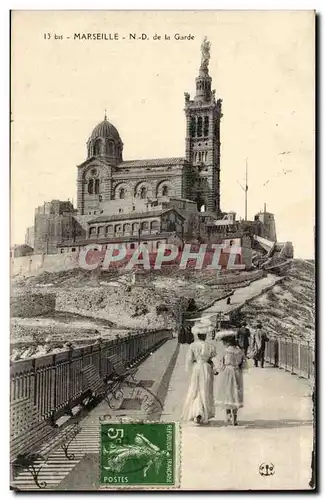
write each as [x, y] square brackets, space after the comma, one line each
[208, 214]
[105, 129]
[133, 215]
[155, 162]
[120, 239]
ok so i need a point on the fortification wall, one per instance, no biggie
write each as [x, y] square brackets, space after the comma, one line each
[34, 264]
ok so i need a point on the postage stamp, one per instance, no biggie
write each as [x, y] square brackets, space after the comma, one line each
[138, 454]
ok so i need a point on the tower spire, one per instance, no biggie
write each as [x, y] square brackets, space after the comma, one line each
[105, 116]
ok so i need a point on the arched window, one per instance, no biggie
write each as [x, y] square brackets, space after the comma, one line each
[96, 186]
[97, 147]
[90, 186]
[192, 126]
[127, 228]
[165, 191]
[206, 156]
[145, 226]
[135, 227]
[143, 193]
[206, 126]
[199, 126]
[122, 194]
[110, 148]
[154, 225]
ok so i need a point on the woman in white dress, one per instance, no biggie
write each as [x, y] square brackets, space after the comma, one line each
[199, 403]
[229, 386]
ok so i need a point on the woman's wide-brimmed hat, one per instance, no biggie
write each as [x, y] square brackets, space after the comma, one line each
[203, 326]
[224, 334]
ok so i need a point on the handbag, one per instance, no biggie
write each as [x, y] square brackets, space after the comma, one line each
[251, 354]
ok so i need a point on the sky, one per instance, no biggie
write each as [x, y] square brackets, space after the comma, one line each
[262, 66]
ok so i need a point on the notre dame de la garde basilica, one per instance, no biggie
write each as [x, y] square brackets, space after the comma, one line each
[117, 200]
[104, 176]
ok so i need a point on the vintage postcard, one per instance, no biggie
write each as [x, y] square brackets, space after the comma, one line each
[162, 250]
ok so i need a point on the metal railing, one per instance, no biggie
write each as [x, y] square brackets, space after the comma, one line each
[55, 382]
[291, 355]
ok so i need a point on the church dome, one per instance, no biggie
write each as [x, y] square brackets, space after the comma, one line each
[105, 130]
[105, 141]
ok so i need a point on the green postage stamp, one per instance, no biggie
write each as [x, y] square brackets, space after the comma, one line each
[139, 454]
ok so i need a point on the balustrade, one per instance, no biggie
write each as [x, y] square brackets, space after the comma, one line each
[54, 382]
[291, 355]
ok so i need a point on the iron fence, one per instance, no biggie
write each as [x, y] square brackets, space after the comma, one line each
[291, 355]
[54, 382]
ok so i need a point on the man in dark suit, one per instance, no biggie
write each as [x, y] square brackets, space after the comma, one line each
[258, 344]
[243, 336]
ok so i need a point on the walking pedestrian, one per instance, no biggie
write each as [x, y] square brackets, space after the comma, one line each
[243, 336]
[258, 345]
[229, 383]
[199, 404]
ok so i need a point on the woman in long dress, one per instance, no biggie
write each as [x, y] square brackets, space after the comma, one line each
[229, 387]
[199, 404]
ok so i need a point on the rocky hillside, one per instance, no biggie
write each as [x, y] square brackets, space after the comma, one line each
[288, 309]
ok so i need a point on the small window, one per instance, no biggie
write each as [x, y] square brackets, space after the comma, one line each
[122, 194]
[62, 250]
[206, 126]
[97, 147]
[91, 186]
[132, 246]
[96, 186]
[120, 210]
[143, 193]
[193, 127]
[73, 249]
[165, 191]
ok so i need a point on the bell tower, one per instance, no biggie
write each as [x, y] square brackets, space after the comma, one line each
[203, 116]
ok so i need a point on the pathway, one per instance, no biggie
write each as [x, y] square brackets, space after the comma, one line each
[274, 426]
[242, 294]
